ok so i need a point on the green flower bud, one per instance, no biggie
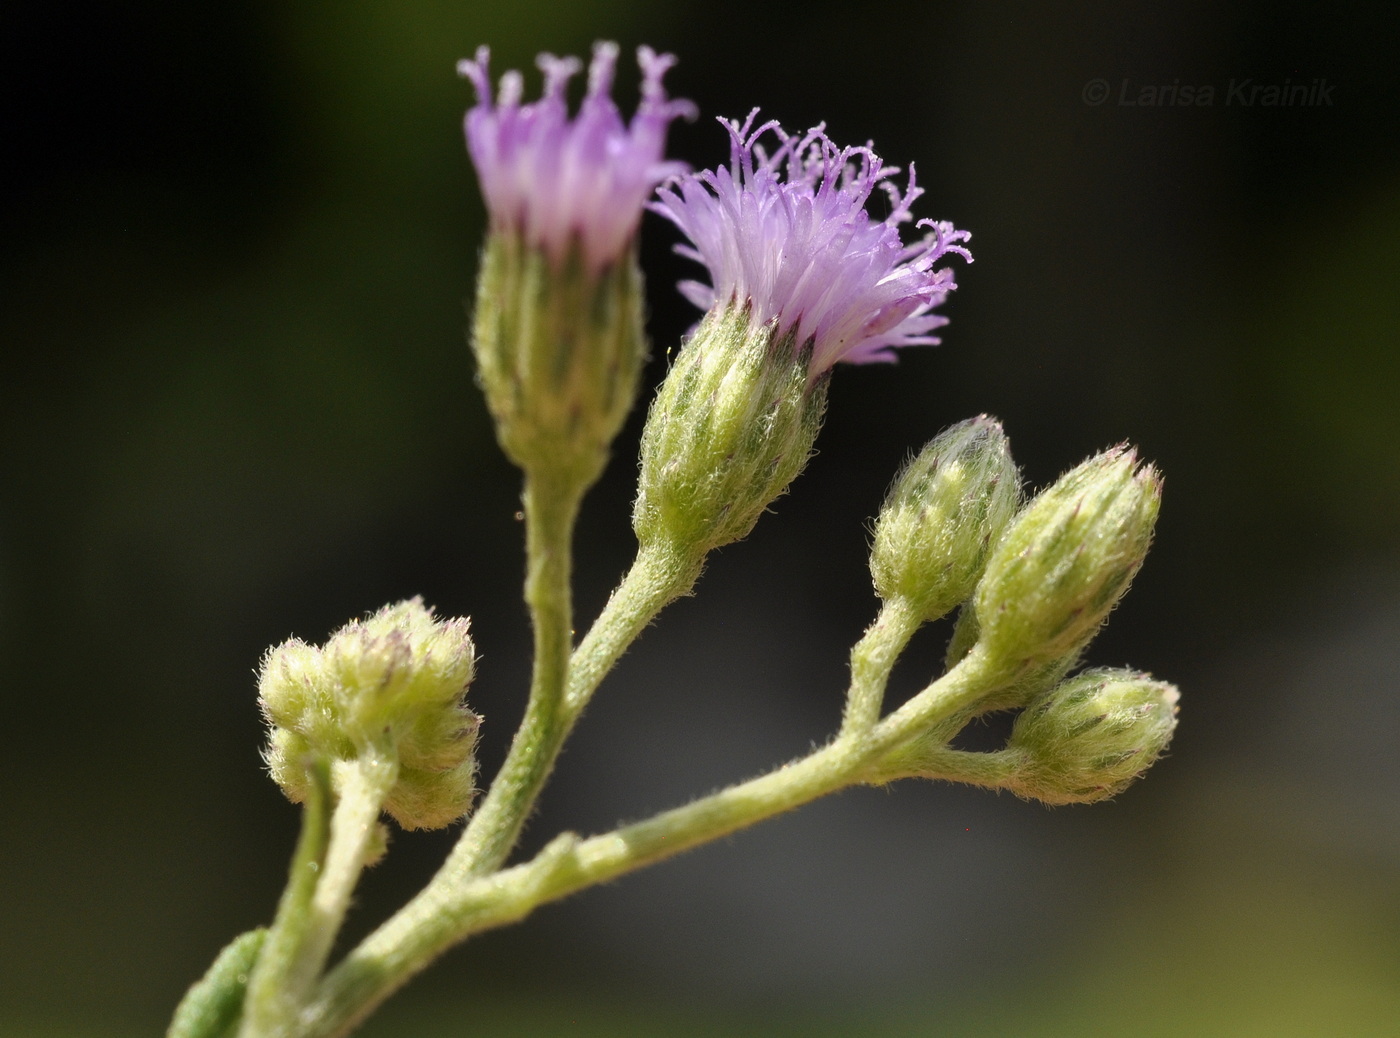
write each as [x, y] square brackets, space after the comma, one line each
[1066, 560]
[731, 426]
[392, 684]
[1088, 738]
[943, 514]
[559, 351]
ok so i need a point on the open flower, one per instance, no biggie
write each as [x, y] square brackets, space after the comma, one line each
[801, 252]
[557, 181]
[558, 328]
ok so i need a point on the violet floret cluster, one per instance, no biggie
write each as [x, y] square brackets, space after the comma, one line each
[787, 234]
[559, 181]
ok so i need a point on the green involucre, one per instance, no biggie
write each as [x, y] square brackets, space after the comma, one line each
[731, 426]
[1066, 560]
[944, 512]
[1088, 738]
[559, 353]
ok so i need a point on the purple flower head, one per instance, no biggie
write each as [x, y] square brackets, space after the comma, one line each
[802, 251]
[555, 180]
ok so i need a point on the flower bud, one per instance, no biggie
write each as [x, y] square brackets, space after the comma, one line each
[943, 514]
[559, 351]
[1066, 560]
[391, 684]
[1088, 738]
[731, 426]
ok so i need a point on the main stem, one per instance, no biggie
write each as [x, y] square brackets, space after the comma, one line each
[551, 506]
[427, 927]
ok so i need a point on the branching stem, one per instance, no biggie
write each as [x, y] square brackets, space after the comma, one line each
[448, 911]
[873, 659]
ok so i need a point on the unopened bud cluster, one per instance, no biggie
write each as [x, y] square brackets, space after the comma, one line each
[390, 686]
[1035, 586]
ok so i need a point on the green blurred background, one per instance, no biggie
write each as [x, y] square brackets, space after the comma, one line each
[238, 239]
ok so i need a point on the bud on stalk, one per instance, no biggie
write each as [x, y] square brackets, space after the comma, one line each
[942, 516]
[389, 688]
[1089, 738]
[1066, 560]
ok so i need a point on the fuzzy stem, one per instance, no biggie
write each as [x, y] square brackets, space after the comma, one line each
[873, 658]
[943, 698]
[364, 785]
[660, 574]
[295, 963]
[449, 910]
[995, 770]
[551, 506]
[269, 1006]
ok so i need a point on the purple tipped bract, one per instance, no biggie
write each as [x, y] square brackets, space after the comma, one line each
[802, 251]
[558, 181]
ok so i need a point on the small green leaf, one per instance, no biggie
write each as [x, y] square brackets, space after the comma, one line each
[213, 1005]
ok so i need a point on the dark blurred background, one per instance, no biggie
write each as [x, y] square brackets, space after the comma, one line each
[238, 243]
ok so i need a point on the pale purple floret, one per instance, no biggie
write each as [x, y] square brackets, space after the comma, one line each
[557, 181]
[803, 252]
